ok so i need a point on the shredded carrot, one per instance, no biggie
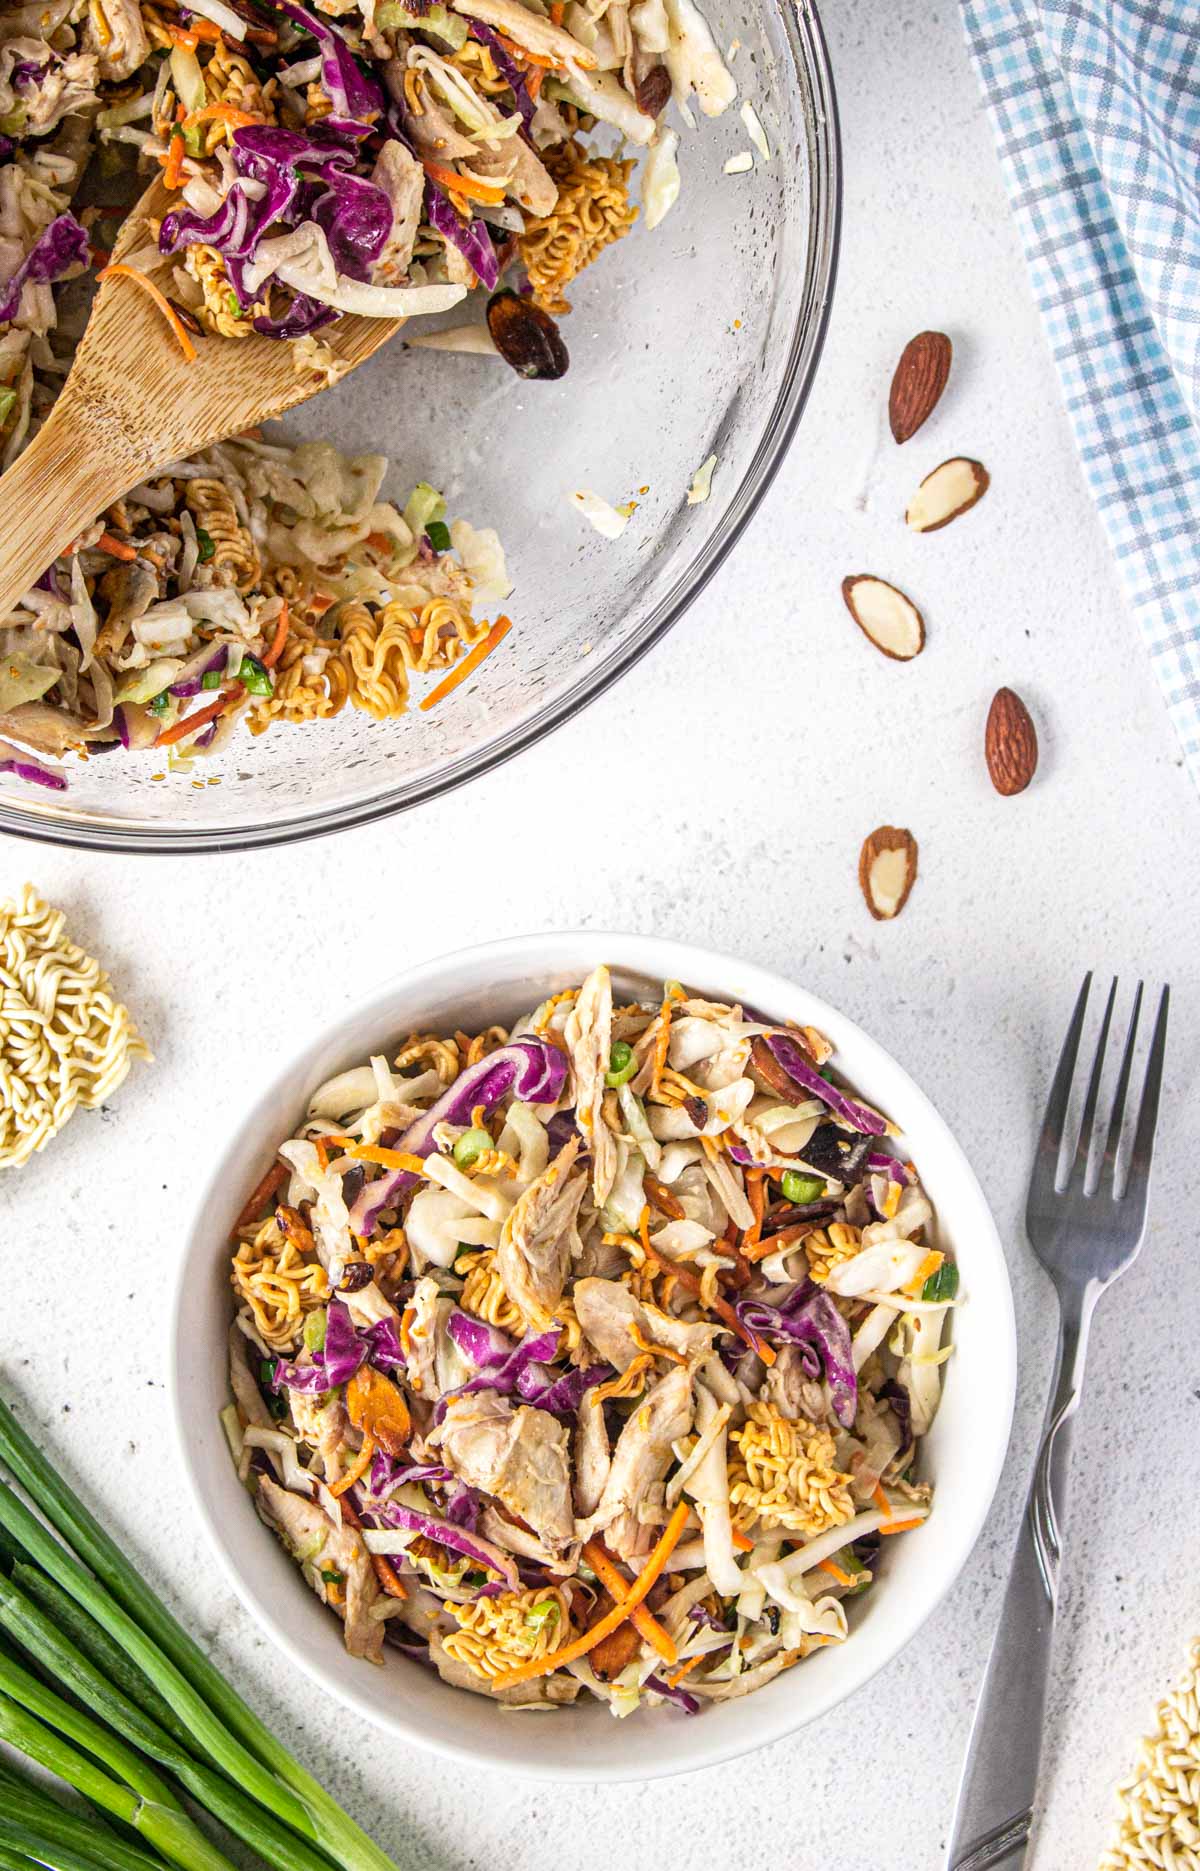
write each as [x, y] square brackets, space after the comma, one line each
[644, 1622]
[526, 57]
[471, 661]
[261, 1194]
[835, 1571]
[199, 718]
[557, 9]
[677, 1676]
[190, 36]
[930, 1264]
[390, 1159]
[326, 1143]
[741, 1543]
[533, 82]
[181, 35]
[579, 1646]
[173, 166]
[662, 1198]
[887, 1510]
[359, 1466]
[754, 1191]
[691, 1284]
[164, 305]
[489, 192]
[220, 113]
[319, 603]
[116, 548]
[406, 1319]
[280, 638]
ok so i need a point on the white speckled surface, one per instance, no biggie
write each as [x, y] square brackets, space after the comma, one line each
[799, 740]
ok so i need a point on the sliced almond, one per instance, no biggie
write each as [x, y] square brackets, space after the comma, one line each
[891, 621]
[887, 870]
[951, 489]
[918, 383]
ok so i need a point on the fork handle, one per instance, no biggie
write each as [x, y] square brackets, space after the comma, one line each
[994, 1815]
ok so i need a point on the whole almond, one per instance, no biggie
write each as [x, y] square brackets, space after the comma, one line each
[887, 870]
[885, 616]
[919, 380]
[953, 487]
[1010, 743]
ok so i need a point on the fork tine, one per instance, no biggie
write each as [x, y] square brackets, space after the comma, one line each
[1137, 1184]
[1083, 1148]
[1045, 1162]
[1112, 1143]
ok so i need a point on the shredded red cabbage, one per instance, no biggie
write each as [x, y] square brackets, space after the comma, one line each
[792, 1058]
[531, 1068]
[354, 93]
[809, 1318]
[661, 1687]
[470, 237]
[562, 1395]
[480, 1551]
[12, 761]
[57, 251]
[508, 68]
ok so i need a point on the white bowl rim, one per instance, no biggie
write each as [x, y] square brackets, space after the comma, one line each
[666, 959]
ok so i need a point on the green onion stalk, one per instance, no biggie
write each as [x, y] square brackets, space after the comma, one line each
[23, 1846]
[114, 1594]
[147, 1804]
[57, 1656]
[26, 1804]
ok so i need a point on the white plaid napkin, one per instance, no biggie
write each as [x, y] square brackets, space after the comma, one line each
[1095, 106]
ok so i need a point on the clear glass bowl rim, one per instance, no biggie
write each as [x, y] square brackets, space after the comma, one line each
[803, 27]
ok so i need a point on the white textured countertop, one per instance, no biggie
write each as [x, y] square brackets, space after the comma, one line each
[971, 988]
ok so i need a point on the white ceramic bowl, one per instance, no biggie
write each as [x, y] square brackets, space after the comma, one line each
[962, 1455]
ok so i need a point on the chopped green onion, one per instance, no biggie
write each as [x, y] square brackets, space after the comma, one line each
[332, 1576]
[943, 1284]
[797, 1188]
[314, 1330]
[438, 535]
[470, 1147]
[541, 1613]
[159, 704]
[621, 1064]
[254, 677]
[235, 310]
[849, 1561]
[7, 399]
[206, 543]
[211, 679]
[673, 990]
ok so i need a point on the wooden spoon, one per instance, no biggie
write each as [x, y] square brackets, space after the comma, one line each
[133, 404]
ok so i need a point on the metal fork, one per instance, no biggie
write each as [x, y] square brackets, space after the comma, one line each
[1085, 1236]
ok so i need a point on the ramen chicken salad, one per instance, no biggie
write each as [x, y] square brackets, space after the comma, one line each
[591, 1355]
[355, 156]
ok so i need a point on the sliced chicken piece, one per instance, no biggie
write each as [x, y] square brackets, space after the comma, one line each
[433, 131]
[554, 1689]
[531, 30]
[68, 87]
[791, 1391]
[322, 1423]
[520, 1456]
[607, 1311]
[529, 183]
[641, 1459]
[536, 1242]
[592, 1458]
[247, 1395]
[402, 179]
[588, 1035]
[309, 1533]
[126, 46]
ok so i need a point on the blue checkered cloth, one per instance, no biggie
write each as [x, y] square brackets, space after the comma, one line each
[1096, 110]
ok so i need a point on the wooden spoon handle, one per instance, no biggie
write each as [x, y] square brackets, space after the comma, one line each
[53, 490]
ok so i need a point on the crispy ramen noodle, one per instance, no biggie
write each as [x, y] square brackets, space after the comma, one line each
[500, 1633]
[827, 1248]
[278, 1283]
[234, 560]
[485, 1294]
[593, 209]
[783, 1474]
[64, 1040]
[1158, 1823]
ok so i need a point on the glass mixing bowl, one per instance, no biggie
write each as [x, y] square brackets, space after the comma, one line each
[699, 338]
